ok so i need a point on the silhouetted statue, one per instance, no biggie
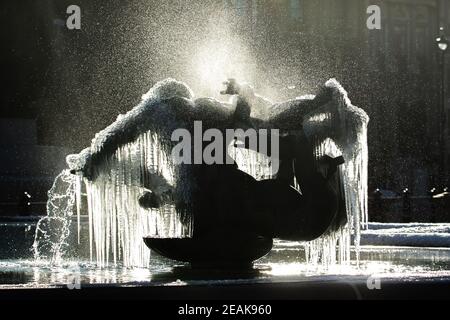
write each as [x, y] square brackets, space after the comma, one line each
[232, 209]
[272, 207]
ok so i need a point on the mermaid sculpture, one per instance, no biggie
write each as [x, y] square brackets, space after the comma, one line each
[234, 215]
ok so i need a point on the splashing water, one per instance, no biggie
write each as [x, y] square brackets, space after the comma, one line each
[53, 231]
[117, 223]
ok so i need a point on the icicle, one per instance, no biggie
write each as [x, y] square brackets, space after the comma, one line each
[339, 128]
[117, 224]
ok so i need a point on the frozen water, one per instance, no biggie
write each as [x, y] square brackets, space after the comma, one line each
[339, 128]
[117, 223]
[116, 174]
[132, 156]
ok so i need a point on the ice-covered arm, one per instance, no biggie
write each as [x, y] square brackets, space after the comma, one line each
[290, 115]
[160, 116]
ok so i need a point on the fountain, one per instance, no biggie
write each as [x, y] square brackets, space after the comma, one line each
[131, 163]
[127, 191]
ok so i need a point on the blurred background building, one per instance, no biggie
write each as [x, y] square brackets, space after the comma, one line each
[64, 80]
[393, 73]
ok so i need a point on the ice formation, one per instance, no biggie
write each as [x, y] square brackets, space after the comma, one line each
[339, 128]
[133, 156]
[128, 158]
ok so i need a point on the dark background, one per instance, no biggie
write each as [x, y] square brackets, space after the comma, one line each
[72, 83]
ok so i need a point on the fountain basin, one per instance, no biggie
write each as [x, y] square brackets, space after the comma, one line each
[404, 272]
[236, 251]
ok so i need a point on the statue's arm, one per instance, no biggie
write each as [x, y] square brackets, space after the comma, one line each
[290, 115]
[158, 116]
